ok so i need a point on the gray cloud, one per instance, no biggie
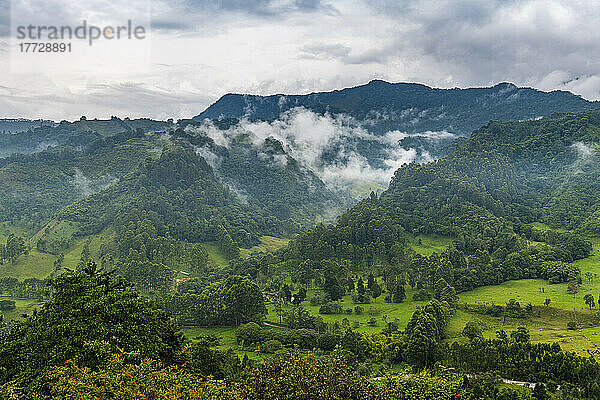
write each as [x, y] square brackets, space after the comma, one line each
[203, 49]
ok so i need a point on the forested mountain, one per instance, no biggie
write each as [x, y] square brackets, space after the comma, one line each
[544, 170]
[15, 125]
[507, 173]
[37, 185]
[264, 172]
[484, 195]
[88, 156]
[77, 134]
[408, 107]
[168, 207]
[356, 138]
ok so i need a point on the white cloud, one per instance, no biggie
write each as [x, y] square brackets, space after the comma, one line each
[308, 136]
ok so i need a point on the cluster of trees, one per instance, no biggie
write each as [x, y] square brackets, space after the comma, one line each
[512, 309]
[420, 344]
[466, 265]
[365, 236]
[424, 333]
[14, 247]
[86, 306]
[332, 337]
[27, 288]
[294, 376]
[515, 357]
[228, 302]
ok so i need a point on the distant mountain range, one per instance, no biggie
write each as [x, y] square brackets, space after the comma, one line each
[408, 107]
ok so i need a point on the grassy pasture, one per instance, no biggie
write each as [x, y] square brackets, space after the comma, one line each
[267, 244]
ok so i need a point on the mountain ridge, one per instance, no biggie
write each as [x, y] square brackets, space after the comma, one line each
[372, 101]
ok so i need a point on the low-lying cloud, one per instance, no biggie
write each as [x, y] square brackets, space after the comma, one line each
[87, 186]
[339, 149]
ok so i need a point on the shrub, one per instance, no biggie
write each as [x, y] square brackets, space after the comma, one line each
[374, 311]
[317, 301]
[359, 310]
[331, 308]
[271, 346]
[472, 331]
[358, 298]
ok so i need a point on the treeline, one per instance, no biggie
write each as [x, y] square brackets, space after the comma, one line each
[28, 288]
[516, 358]
[466, 265]
[365, 235]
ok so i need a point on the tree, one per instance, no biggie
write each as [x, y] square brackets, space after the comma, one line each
[297, 377]
[360, 286]
[279, 310]
[351, 285]
[333, 288]
[15, 246]
[371, 282]
[521, 335]
[422, 349]
[237, 299]
[445, 292]
[285, 293]
[399, 294]
[589, 300]
[375, 290]
[299, 297]
[86, 306]
[472, 331]
[572, 287]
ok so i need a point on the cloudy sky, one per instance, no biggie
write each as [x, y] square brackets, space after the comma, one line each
[203, 49]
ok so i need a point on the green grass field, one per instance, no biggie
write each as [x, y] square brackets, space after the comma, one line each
[32, 265]
[380, 309]
[227, 339]
[535, 291]
[267, 244]
[215, 257]
[428, 244]
[530, 291]
[23, 307]
[56, 230]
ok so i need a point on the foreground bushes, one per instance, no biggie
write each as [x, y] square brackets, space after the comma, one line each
[292, 376]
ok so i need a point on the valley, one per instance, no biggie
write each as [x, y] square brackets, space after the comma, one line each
[230, 235]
